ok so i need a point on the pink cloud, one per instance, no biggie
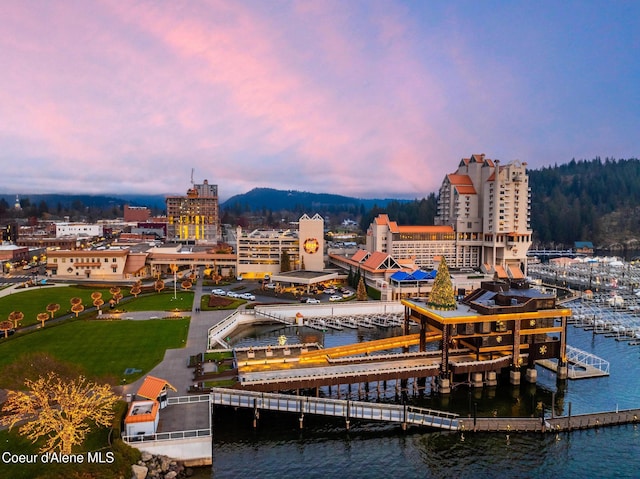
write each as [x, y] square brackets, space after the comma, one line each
[354, 98]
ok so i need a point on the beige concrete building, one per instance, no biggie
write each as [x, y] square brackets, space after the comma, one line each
[311, 246]
[260, 251]
[483, 222]
[114, 264]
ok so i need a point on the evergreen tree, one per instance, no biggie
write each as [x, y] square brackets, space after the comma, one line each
[285, 262]
[442, 295]
[361, 292]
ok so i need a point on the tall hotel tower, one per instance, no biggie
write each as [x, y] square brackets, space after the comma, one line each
[195, 218]
[488, 207]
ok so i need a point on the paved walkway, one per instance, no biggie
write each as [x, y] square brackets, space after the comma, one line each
[174, 366]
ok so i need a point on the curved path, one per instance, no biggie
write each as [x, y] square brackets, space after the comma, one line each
[174, 366]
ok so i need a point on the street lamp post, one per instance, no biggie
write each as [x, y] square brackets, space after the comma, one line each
[174, 268]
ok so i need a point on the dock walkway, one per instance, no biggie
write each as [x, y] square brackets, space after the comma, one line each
[394, 413]
[550, 424]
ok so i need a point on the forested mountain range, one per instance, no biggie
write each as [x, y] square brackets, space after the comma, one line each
[588, 200]
[277, 200]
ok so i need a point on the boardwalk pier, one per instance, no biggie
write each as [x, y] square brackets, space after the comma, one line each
[301, 405]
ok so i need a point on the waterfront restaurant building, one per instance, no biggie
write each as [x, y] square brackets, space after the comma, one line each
[500, 325]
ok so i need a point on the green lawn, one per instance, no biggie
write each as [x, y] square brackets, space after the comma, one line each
[159, 302]
[102, 348]
[34, 300]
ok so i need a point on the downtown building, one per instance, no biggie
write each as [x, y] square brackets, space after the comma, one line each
[194, 218]
[260, 252]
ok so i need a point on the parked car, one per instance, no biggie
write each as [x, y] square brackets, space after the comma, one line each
[329, 291]
[219, 292]
[335, 297]
[270, 285]
[347, 294]
[312, 301]
[248, 296]
[231, 294]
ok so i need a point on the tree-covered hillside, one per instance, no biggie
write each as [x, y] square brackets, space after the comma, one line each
[593, 200]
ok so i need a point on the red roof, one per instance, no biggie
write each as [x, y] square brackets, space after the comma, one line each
[516, 272]
[502, 274]
[142, 411]
[152, 387]
[359, 255]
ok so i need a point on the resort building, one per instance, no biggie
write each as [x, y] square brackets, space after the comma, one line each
[488, 208]
[482, 226]
[422, 244]
[482, 222]
[194, 218]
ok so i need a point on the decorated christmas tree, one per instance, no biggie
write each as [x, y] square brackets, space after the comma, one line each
[361, 292]
[442, 296]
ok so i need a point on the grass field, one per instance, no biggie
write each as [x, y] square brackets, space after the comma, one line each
[102, 348]
[160, 302]
[34, 300]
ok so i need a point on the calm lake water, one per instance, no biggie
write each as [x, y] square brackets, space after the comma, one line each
[324, 449]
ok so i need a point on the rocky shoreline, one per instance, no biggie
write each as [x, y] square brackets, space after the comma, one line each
[159, 467]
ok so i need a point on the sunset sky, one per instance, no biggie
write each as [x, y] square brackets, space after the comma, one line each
[360, 98]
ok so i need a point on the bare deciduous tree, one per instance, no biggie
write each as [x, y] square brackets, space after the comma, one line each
[60, 411]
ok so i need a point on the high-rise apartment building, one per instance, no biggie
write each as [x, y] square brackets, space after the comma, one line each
[194, 218]
[488, 207]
